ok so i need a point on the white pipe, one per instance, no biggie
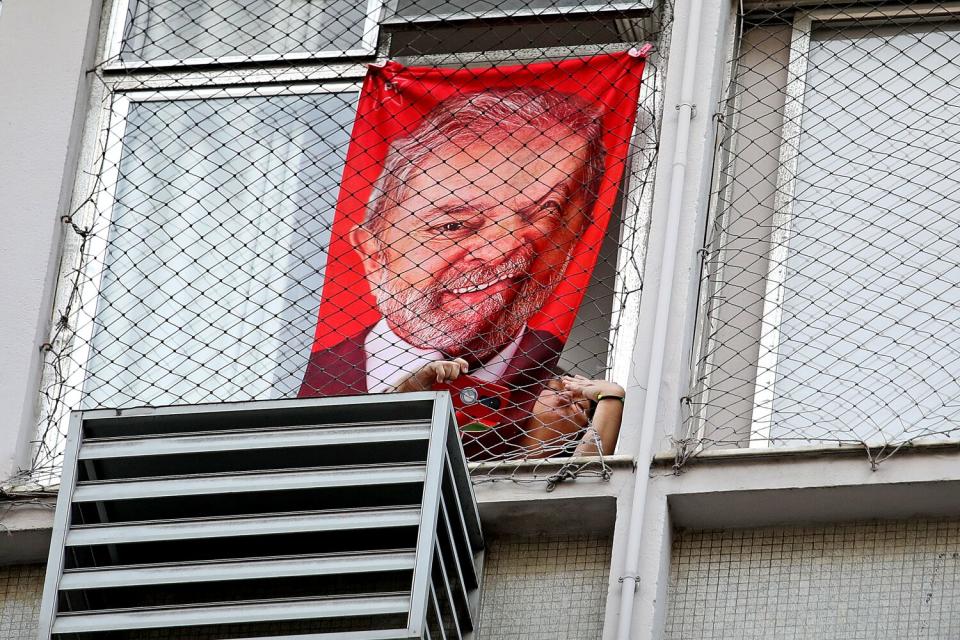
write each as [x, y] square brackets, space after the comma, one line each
[668, 265]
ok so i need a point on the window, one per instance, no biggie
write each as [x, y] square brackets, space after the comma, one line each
[216, 144]
[221, 214]
[831, 293]
[202, 227]
[172, 32]
[601, 341]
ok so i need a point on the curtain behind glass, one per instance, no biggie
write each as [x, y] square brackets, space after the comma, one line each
[870, 336]
[217, 248]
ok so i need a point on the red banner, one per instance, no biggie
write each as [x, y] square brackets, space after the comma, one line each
[473, 205]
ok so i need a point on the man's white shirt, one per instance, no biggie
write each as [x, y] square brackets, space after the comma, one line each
[390, 360]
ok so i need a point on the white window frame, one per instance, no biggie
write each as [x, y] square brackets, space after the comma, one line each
[118, 21]
[804, 24]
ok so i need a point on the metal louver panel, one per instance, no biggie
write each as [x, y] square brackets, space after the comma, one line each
[348, 518]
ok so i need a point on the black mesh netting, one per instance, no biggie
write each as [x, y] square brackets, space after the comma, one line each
[829, 291]
[216, 142]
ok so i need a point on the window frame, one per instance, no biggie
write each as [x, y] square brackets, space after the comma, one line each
[804, 24]
[118, 22]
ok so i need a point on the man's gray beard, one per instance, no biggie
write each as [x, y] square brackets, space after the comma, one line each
[420, 320]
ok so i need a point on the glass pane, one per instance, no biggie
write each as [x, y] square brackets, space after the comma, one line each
[477, 7]
[217, 248]
[871, 329]
[186, 29]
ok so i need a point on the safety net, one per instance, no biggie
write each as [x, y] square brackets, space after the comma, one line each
[829, 289]
[288, 198]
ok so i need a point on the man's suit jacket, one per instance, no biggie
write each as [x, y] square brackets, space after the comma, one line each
[342, 370]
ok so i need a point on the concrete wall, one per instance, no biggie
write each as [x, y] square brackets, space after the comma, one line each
[545, 588]
[21, 587]
[46, 48]
[878, 580]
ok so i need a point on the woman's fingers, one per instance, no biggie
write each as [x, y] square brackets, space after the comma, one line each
[575, 388]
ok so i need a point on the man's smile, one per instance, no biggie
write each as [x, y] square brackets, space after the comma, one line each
[484, 286]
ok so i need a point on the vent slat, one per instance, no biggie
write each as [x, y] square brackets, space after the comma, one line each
[247, 569]
[458, 524]
[224, 483]
[163, 531]
[243, 440]
[253, 611]
[456, 563]
[388, 634]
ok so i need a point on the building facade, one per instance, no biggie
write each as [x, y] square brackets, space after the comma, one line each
[778, 296]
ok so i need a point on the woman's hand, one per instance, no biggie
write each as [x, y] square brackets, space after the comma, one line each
[592, 390]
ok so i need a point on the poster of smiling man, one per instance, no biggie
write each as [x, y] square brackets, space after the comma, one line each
[471, 212]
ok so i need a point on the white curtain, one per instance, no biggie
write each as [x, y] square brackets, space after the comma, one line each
[217, 248]
[870, 342]
[184, 29]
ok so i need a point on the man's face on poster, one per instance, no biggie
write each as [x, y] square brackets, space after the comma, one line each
[477, 238]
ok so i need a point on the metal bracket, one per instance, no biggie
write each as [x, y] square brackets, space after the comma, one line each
[693, 108]
[636, 581]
